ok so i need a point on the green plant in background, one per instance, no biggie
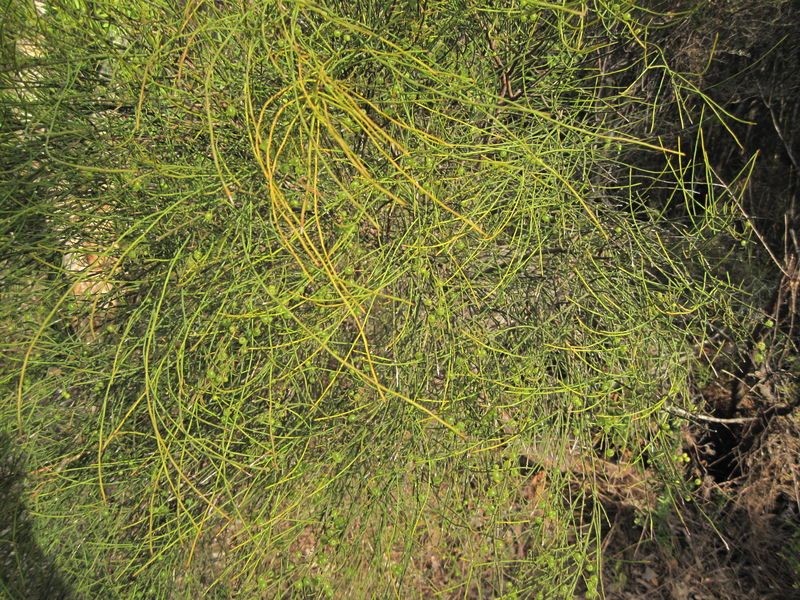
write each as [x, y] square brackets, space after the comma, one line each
[791, 556]
[337, 268]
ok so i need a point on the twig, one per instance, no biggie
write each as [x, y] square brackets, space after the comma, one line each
[775, 410]
[679, 412]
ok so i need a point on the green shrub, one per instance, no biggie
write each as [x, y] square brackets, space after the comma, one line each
[339, 265]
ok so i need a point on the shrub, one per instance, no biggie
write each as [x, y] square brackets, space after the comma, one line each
[347, 275]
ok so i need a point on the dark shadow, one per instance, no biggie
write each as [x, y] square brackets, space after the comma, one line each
[683, 555]
[26, 573]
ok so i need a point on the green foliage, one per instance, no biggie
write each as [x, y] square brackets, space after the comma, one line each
[355, 258]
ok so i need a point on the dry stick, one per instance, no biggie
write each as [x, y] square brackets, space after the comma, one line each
[781, 409]
[679, 412]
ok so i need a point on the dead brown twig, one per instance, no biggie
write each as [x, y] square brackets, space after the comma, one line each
[507, 93]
